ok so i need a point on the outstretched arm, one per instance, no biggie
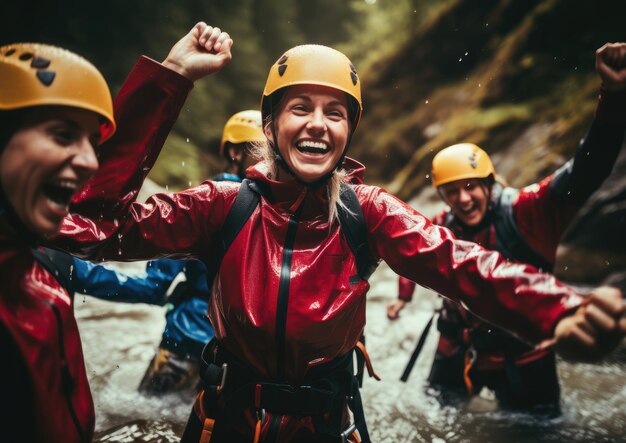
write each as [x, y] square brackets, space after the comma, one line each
[405, 294]
[111, 285]
[513, 296]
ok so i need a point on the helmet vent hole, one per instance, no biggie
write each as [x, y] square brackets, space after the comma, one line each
[46, 77]
[282, 69]
[283, 60]
[9, 52]
[354, 77]
[474, 165]
[40, 63]
[26, 56]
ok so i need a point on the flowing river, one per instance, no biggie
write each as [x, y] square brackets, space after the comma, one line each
[119, 340]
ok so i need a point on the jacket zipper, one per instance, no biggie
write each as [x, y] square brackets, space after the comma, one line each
[283, 293]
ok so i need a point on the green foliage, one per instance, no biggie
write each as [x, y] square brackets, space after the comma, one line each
[434, 71]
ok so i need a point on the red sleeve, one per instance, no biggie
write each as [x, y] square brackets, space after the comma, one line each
[104, 221]
[513, 296]
[540, 219]
[406, 287]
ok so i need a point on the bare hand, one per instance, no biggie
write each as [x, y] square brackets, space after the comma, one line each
[595, 329]
[203, 51]
[393, 309]
[611, 66]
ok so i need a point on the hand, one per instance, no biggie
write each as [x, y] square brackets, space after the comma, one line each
[203, 51]
[393, 309]
[595, 329]
[611, 66]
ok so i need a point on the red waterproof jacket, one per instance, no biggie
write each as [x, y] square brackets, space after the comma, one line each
[542, 211]
[285, 298]
[40, 341]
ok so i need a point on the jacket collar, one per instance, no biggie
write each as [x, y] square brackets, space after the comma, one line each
[289, 196]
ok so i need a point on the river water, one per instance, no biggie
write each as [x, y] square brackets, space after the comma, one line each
[119, 340]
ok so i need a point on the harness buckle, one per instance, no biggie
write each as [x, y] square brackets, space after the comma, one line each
[260, 415]
[223, 381]
[347, 433]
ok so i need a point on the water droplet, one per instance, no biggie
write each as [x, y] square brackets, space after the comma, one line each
[460, 58]
[565, 268]
[427, 175]
[183, 163]
[426, 102]
[189, 183]
[167, 187]
[466, 53]
[187, 139]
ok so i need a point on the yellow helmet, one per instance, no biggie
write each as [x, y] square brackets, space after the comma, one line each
[34, 74]
[461, 161]
[243, 127]
[313, 65]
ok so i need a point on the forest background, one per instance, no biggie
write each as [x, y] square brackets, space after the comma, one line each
[514, 76]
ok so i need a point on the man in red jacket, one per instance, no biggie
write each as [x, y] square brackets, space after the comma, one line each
[524, 225]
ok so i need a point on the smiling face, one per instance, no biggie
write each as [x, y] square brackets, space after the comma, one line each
[312, 128]
[46, 161]
[467, 198]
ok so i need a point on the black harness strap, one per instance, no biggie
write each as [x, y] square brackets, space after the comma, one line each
[59, 264]
[285, 399]
[509, 241]
[245, 203]
[352, 223]
[325, 392]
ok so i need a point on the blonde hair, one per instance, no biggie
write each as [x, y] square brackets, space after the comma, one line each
[264, 152]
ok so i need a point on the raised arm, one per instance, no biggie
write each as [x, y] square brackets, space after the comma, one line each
[146, 108]
[513, 296]
[597, 153]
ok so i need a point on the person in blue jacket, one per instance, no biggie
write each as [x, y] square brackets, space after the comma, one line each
[187, 327]
[177, 361]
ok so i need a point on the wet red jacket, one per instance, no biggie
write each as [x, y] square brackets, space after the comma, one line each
[284, 299]
[543, 211]
[38, 328]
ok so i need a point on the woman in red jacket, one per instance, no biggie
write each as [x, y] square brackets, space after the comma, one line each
[288, 301]
[48, 130]
[55, 107]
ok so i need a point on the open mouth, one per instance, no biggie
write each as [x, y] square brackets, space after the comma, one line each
[468, 211]
[60, 192]
[313, 147]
